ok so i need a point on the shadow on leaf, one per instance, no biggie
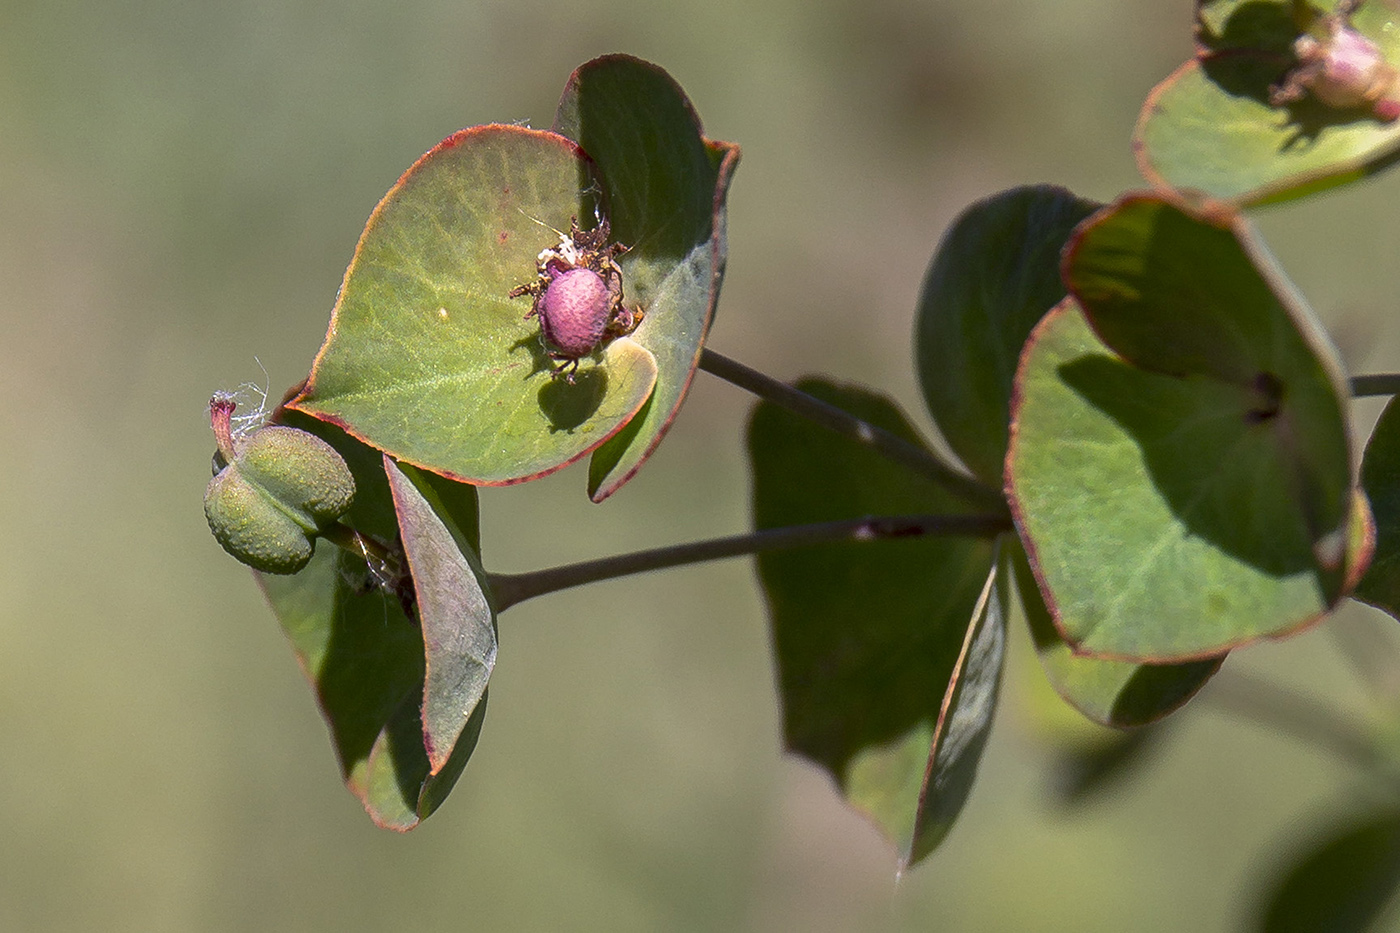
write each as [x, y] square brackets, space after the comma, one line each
[1250, 73]
[373, 660]
[1222, 469]
[568, 404]
[1155, 687]
[1256, 26]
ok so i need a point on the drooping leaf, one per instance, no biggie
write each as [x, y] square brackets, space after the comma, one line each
[453, 608]
[996, 272]
[1210, 126]
[429, 358]
[868, 635]
[666, 187]
[363, 656]
[1340, 886]
[964, 722]
[1113, 693]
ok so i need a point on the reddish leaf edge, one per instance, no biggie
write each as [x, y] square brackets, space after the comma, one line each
[1361, 511]
[729, 160]
[1230, 219]
[979, 610]
[301, 397]
[478, 481]
[1289, 188]
[437, 757]
[729, 154]
[1074, 701]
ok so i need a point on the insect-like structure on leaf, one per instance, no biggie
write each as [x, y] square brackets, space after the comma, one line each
[1341, 68]
[578, 296]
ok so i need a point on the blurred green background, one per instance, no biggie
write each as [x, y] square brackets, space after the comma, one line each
[181, 186]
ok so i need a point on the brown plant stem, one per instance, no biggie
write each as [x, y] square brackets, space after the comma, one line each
[511, 588]
[889, 445]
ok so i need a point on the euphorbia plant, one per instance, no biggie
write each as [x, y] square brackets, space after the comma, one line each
[1151, 423]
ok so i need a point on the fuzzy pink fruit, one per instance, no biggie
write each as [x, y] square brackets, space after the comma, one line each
[574, 312]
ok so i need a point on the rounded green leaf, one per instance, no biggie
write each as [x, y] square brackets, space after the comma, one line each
[995, 274]
[453, 609]
[871, 637]
[429, 359]
[1201, 297]
[1113, 693]
[666, 190]
[1210, 126]
[363, 656]
[1164, 518]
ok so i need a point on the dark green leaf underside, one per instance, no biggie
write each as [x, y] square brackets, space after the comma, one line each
[1380, 476]
[996, 273]
[867, 635]
[363, 655]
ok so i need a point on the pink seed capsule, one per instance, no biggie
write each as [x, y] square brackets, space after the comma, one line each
[574, 312]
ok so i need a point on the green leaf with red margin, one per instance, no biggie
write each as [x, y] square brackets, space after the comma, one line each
[995, 274]
[869, 636]
[666, 189]
[1112, 693]
[1126, 482]
[363, 656]
[1210, 128]
[453, 608]
[428, 358]
[1342, 885]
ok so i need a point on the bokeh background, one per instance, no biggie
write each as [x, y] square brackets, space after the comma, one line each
[181, 186]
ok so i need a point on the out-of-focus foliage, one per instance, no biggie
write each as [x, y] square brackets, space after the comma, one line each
[182, 185]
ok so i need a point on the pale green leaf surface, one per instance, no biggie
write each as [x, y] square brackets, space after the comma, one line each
[1159, 516]
[429, 359]
[1113, 693]
[1210, 127]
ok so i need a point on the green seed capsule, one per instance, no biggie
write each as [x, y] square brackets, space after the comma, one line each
[282, 488]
